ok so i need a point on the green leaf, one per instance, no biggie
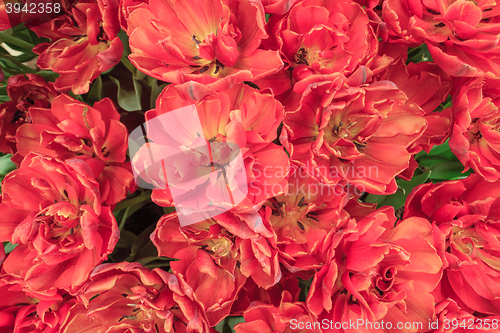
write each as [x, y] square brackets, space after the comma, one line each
[443, 163]
[129, 96]
[19, 41]
[304, 285]
[139, 248]
[134, 199]
[77, 97]
[48, 75]
[377, 199]
[441, 149]
[154, 262]
[124, 38]
[251, 84]
[6, 165]
[143, 247]
[397, 200]
[9, 247]
[33, 37]
[419, 54]
[126, 240]
[220, 327]
[3, 51]
[3, 93]
[449, 170]
[233, 321]
[438, 154]
[155, 90]
[95, 93]
[430, 160]
[227, 325]
[18, 59]
[446, 104]
[408, 185]
[134, 248]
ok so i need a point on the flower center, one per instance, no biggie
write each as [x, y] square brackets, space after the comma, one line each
[219, 248]
[466, 240]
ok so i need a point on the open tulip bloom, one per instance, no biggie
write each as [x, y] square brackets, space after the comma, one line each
[249, 166]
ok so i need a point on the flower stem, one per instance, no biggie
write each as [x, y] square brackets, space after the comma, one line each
[18, 64]
[144, 196]
[128, 64]
[15, 41]
[124, 218]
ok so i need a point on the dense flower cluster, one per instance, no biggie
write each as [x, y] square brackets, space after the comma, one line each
[268, 131]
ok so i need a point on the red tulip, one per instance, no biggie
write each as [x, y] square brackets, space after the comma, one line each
[251, 292]
[128, 297]
[278, 7]
[73, 129]
[475, 137]
[451, 319]
[241, 116]
[304, 218]
[380, 273]
[287, 317]
[213, 42]
[22, 312]
[462, 36]
[324, 37]
[355, 134]
[208, 262]
[52, 209]
[465, 214]
[24, 91]
[84, 43]
[426, 85]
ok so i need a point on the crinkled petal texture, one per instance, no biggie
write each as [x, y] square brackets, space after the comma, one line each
[84, 44]
[217, 256]
[465, 214]
[70, 129]
[476, 130]
[380, 272]
[287, 317]
[24, 311]
[304, 219]
[324, 37]
[127, 297]
[24, 91]
[360, 135]
[207, 262]
[242, 116]
[448, 311]
[213, 42]
[52, 209]
[462, 36]
[426, 85]
[278, 7]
